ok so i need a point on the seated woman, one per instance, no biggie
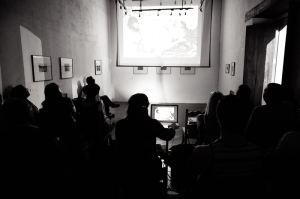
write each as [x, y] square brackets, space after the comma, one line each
[94, 124]
[142, 130]
[207, 123]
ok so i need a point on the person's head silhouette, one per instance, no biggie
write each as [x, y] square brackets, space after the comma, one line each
[273, 94]
[52, 91]
[20, 92]
[138, 105]
[231, 114]
[244, 92]
[90, 80]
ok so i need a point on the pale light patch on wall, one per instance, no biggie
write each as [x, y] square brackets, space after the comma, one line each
[31, 45]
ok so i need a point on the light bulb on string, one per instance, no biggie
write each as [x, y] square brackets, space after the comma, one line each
[171, 13]
[191, 1]
[125, 12]
[139, 14]
[184, 1]
[121, 7]
[175, 2]
[158, 13]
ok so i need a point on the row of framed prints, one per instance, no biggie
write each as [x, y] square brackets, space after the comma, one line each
[163, 70]
[42, 68]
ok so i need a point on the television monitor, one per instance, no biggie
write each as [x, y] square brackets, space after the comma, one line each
[164, 113]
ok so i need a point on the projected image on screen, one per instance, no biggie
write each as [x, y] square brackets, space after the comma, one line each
[164, 35]
[164, 113]
[161, 37]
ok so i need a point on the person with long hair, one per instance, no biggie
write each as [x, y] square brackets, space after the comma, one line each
[207, 123]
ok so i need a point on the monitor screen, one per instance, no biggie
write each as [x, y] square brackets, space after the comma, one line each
[164, 113]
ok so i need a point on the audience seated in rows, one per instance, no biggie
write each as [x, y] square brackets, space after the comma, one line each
[45, 146]
[230, 167]
[140, 128]
[105, 99]
[207, 123]
[32, 162]
[269, 122]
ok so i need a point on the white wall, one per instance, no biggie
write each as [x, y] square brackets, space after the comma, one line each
[233, 36]
[168, 88]
[62, 28]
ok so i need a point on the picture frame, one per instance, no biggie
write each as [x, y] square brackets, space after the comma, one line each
[163, 70]
[232, 69]
[187, 70]
[66, 68]
[227, 68]
[41, 68]
[140, 70]
[98, 67]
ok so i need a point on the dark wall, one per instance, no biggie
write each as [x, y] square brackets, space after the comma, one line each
[291, 70]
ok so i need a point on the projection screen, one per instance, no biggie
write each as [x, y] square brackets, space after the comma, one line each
[165, 37]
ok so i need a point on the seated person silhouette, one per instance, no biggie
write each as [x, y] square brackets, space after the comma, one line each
[58, 114]
[31, 161]
[245, 92]
[106, 101]
[21, 92]
[138, 127]
[268, 123]
[207, 123]
[94, 124]
[230, 167]
[284, 167]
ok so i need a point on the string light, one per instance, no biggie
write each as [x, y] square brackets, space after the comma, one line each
[182, 9]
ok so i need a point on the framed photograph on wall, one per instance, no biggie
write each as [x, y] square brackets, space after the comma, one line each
[232, 68]
[41, 68]
[163, 70]
[187, 70]
[140, 70]
[98, 67]
[227, 68]
[66, 68]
